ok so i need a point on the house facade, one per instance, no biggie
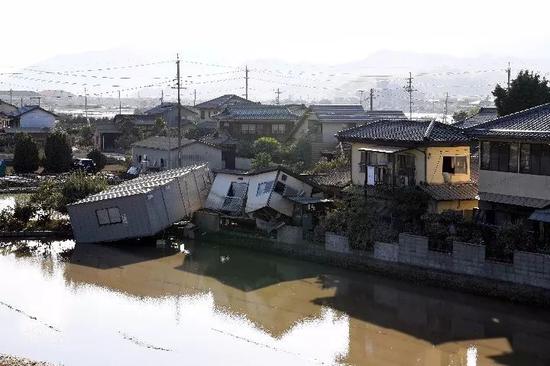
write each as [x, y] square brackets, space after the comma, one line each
[6, 111]
[265, 194]
[250, 121]
[161, 153]
[514, 176]
[431, 155]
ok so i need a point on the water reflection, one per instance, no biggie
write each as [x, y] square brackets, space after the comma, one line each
[220, 305]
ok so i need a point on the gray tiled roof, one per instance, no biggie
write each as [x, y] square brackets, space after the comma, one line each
[451, 192]
[223, 101]
[29, 108]
[335, 178]
[514, 200]
[404, 132]
[484, 115]
[257, 112]
[161, 108]
[141, 185]
[532, 124]
[327, 113]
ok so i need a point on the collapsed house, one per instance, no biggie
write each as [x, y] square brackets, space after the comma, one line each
[141, 207]
[272, 196]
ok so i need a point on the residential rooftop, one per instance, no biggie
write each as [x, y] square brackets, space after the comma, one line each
[531, 124]
[141, 185]
[257, 112]
[484, 115]
[164, 143]
[222, 102]
[405, 132]
[163, 107]
[451, 192]
[327, 113]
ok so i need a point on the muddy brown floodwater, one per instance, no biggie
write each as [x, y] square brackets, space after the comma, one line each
[136, 305]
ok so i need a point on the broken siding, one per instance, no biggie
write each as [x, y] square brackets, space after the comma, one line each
[287, 186]
[259, 189]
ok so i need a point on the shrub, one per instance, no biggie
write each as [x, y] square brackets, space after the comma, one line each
[57, 153]
[25, 159]
[324, 165]
[79, 186]
[99, 159]
[262, 160]
[267, 145]
[408, 205]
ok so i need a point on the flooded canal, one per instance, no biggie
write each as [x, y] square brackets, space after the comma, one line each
[127, 305]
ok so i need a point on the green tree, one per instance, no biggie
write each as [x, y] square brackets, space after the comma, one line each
[86, 136]
[267, 145]
[58, 154]
[79, 186]
[262, 160]
[98, 157]
[25, 159]
[160, 127]
[527, 90]
[130, 134]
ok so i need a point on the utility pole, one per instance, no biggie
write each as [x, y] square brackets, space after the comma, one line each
[246, 81]
[194, 97]
[85, 104]
[119, 104]
[409, 89]
[161, 97]
[11, 96]
[360, 91]
[446, 108]
[179, 110]
[371, 95]
[278, 92]
[509, 72]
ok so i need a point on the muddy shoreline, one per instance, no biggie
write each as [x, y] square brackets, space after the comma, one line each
[7, 360]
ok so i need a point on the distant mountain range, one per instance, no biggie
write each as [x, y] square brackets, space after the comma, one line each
[139, 73]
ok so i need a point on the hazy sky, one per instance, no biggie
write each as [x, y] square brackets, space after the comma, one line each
[299, 30]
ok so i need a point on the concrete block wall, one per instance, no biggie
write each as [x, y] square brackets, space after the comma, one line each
[290, 234]
[336, 243]
[527, 268]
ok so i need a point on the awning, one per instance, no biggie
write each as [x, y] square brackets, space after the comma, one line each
[540, 215]
[514, 200]
[384, 149]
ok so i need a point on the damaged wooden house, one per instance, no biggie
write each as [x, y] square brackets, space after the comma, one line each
[272, 197]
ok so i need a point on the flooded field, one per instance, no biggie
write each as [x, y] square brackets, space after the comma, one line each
[129, 305]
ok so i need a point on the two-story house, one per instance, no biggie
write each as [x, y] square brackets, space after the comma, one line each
[327, 119]
[431, 155]
[208, 109]
[514, 176]
[250, 121]
[33, 120]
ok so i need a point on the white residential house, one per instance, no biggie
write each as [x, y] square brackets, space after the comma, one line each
[161, 152]
[263, 194]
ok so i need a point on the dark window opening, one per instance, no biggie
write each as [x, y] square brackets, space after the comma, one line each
[279, 187]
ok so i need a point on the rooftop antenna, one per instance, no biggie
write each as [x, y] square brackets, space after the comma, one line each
[371, 95]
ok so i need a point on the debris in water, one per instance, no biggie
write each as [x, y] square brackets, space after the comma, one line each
[142, 344]
[224, 258]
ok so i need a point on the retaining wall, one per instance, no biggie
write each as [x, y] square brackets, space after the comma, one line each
[527, 268]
